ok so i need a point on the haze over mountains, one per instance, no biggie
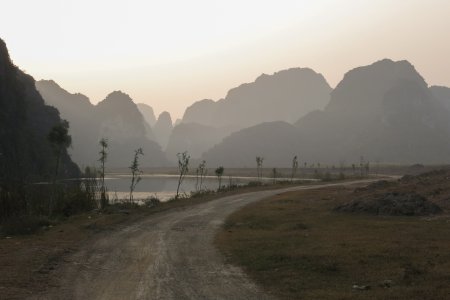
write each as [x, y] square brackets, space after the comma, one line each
[284, 96]
[116, 118]
[384, 112]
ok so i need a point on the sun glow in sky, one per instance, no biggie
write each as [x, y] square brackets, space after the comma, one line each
[169, 54]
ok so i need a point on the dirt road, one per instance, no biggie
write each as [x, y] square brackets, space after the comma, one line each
[166, 256]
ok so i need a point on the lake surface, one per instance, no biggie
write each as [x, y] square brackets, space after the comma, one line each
[164, 187]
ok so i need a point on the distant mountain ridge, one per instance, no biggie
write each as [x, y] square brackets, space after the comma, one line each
[116, 118]
[383, 112]
[286, 96]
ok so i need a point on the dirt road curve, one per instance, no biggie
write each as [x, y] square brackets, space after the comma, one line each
[165, 256]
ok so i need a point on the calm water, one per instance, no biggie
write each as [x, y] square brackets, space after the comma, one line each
[165, 186]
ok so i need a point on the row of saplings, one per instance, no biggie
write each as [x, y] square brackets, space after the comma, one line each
[25, 207]
[33, 205]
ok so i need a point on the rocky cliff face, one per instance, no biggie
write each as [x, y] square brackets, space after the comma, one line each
[25, 122]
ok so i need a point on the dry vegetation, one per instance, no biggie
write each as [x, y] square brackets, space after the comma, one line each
[297, 247]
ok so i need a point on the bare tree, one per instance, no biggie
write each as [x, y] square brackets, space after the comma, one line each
[219, 173]
[259, 164]
[103, 157]
[135, 172]
[361, 166]
[183, 167]
[294, 167]
[200, 173]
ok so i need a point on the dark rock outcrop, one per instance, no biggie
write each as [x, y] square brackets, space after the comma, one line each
[25, 122]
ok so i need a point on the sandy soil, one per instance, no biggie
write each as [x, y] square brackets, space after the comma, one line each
[166, 256]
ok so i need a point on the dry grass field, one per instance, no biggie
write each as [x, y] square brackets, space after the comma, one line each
[297, 247]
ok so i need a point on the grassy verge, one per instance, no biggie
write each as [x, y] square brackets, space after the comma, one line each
[297, 248]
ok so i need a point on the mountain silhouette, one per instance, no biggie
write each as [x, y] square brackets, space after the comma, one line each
[442, 94]
[116, 118]
[163, 128]
[148, 113]
[79, 111]
[193, 138]
[277, 142]
[284, 96]
[384, 112]
[25, 122]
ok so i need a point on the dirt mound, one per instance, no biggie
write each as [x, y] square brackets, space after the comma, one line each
[392, 204]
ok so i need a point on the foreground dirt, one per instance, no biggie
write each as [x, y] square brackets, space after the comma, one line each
[28, 263]
[168, 255]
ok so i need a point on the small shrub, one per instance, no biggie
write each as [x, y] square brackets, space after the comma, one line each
[201, 193]
[152, 201]
[327, 177]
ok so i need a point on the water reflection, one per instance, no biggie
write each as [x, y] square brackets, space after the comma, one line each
[165, 186]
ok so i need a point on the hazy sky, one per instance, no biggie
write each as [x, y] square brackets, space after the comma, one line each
[171, 53]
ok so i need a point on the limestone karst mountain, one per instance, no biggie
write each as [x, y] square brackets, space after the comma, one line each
[121, 122]
[193, 138]
[149, 118]
[442, 94]
[80, 112]
[163, 128]
[148, 113]
[277, 142]
[384, 112]
[284, 96]
[25, 122]
[116, 118]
